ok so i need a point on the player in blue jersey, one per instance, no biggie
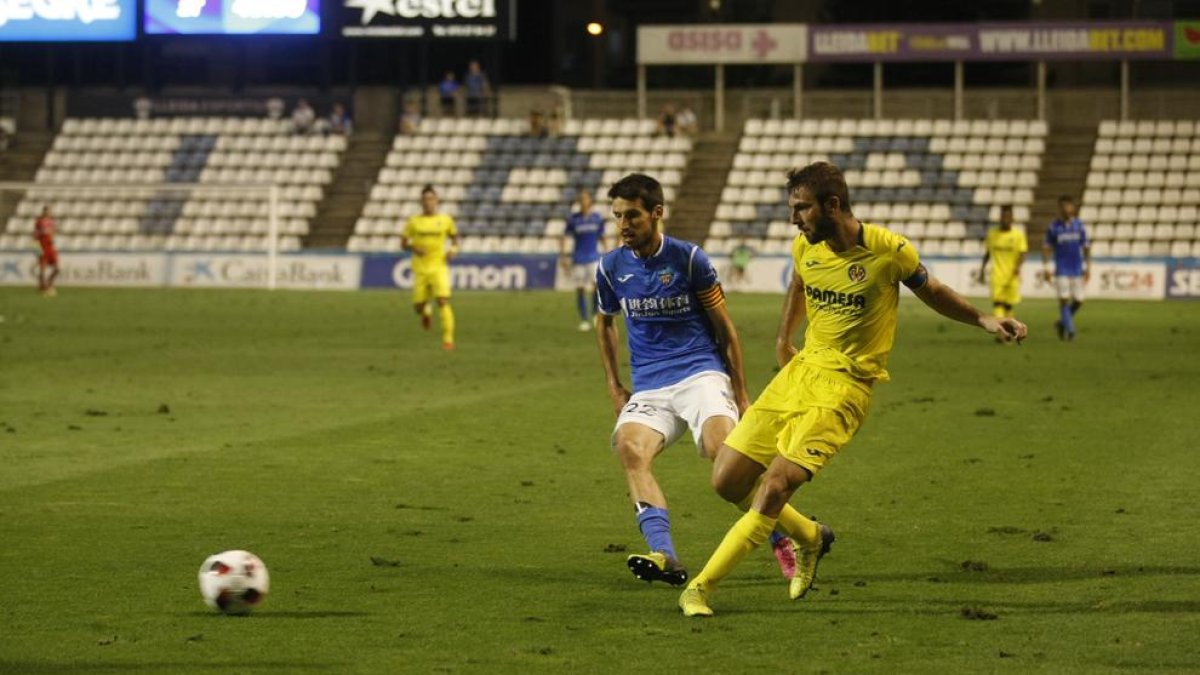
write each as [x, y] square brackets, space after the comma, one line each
[585, 229]
[1067, 241]
[685, 358]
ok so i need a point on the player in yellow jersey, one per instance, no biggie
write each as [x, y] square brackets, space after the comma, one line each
[846, 282]
[425, 236]
[1006, 247]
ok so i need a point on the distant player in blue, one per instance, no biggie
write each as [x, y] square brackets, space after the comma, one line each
[685, 358]
[585, 230]
[1067, 240]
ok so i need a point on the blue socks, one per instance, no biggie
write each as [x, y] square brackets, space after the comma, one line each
[582, 303]
[1068, 318]
[655, 525]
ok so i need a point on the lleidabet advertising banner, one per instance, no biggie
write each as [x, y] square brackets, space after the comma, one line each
[68, 20]
[722, 43]
[1049, 41]
[428, 19]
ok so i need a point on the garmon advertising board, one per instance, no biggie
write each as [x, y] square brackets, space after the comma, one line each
[426, 19]
[232, 17]
[68, 20]
[467, 272]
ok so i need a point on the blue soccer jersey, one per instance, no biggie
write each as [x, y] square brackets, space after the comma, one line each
[587, 229]
[670, 335]
[1068, 241]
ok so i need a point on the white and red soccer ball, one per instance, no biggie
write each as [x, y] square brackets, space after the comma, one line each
[234, 582]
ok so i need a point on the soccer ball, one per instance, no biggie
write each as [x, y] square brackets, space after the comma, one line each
[234, 582]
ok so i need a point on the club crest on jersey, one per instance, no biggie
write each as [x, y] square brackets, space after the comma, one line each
[666, 275]
[857, 273]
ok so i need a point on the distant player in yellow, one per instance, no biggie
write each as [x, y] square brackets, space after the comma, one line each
[425, 236]
[1006, 247]
[846, 282]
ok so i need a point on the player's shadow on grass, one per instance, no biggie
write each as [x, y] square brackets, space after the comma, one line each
[954, 574]
[267, 615]
[40, 668]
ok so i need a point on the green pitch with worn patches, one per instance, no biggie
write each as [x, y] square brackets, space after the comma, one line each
[1026, 509]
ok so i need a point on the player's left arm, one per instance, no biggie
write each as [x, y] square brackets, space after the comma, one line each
[713, 301]
[945, 301]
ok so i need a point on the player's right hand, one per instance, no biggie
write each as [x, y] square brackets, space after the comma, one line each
[620, 397]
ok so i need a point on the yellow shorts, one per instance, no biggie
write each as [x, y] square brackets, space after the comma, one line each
[1006, 291]
[431, 284]
[806, 415]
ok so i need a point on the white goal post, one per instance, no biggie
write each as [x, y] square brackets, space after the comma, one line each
[99, 217]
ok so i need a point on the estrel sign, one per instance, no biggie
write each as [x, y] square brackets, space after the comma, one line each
[478, 19]
[722, 43]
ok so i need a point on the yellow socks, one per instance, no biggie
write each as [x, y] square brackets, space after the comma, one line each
[798, 527]
[747, 534]
[446, 316]
[791, 522]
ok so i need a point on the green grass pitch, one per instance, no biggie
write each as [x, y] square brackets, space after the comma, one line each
[1013, 509]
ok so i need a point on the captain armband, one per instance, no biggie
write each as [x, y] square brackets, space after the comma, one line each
[918, 279]
[712, 298]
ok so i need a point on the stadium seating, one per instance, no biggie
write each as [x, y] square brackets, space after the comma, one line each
[91, 159]
[509, 192]
[1143, 189]
[939, 182]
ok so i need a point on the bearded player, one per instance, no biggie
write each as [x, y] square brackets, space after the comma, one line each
[846, 282]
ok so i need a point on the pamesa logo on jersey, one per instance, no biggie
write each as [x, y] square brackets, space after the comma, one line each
[858, 273]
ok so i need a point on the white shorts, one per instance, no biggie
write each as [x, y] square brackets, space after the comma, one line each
[1069, 288]
[672, 410]
[583, 275]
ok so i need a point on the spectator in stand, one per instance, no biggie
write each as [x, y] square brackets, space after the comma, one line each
[478, 88]
[275, 108]
[448, 92]
[303, 118]
[686, 122]
[555, 126]
[339, 121]
[142, 107]
[4, 139]
[667, 121]
[410, 121]
[537, 124]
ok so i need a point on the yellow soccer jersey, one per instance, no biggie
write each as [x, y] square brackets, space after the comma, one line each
[851, 300]
[429, 233]
[1005, 249]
